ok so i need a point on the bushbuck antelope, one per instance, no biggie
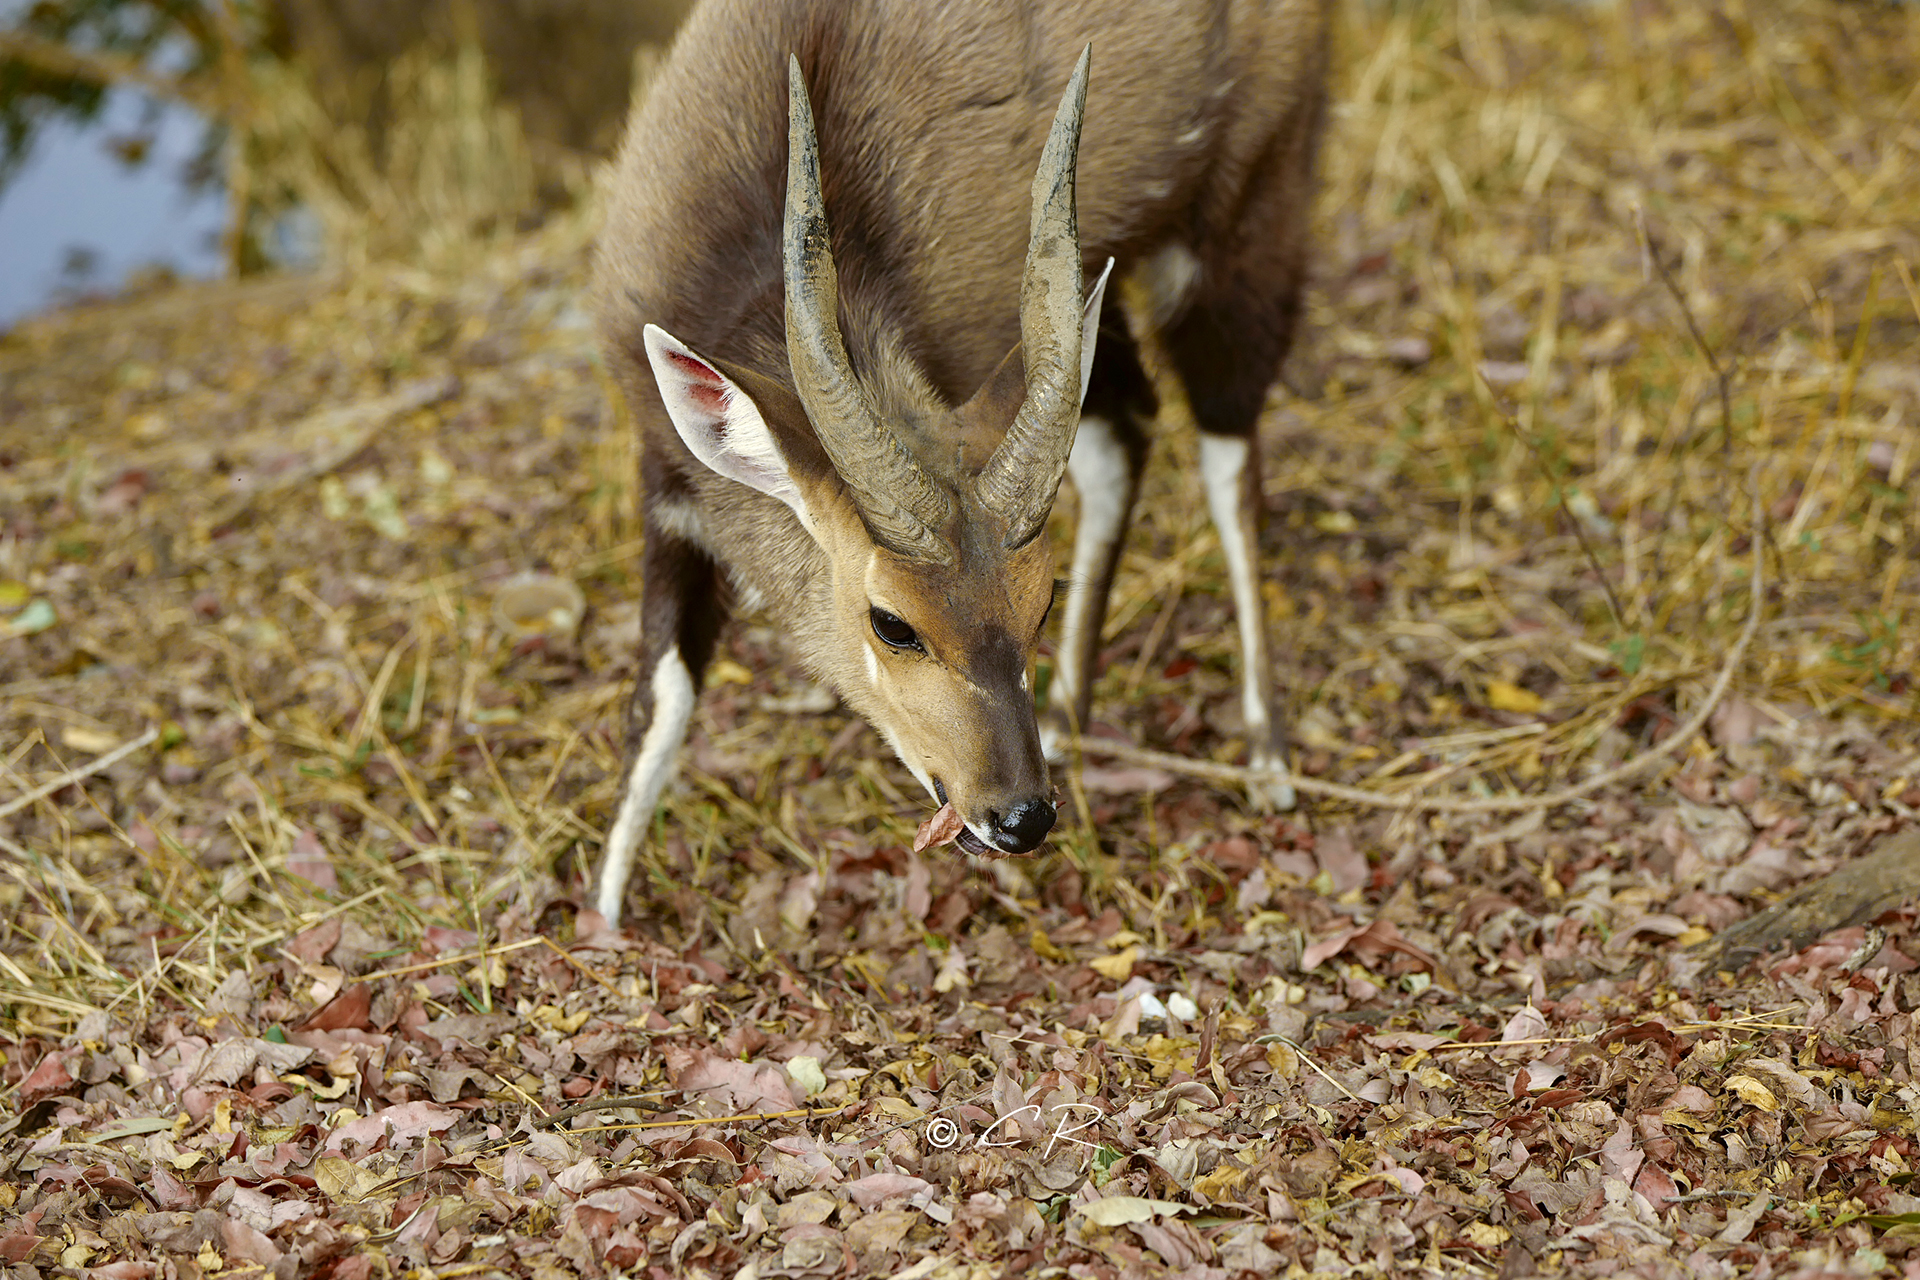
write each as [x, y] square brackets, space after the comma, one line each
[861, 432]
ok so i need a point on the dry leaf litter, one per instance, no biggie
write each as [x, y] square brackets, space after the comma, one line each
[302, 984]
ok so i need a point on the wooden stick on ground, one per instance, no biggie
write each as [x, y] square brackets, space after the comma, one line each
[1495, 804]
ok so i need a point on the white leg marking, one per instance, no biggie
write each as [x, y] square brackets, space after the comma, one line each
[1098, 465]
[672, 709]
[1223, 466]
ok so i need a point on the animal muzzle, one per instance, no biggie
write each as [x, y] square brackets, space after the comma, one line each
[1021, 828]
[1008, 832]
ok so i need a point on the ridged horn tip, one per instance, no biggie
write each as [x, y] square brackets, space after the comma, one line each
[1059, 158]
[900, 506]
[1023, 475]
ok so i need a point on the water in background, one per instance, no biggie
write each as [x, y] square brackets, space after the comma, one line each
[76, 220]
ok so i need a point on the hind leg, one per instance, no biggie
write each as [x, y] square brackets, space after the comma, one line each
[1226, 348]
[1230, 468]
[1109, 453]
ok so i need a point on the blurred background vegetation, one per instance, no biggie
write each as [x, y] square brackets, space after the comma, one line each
[386, 127]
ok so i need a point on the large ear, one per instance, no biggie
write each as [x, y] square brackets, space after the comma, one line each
[720, 423]
[1090, 327]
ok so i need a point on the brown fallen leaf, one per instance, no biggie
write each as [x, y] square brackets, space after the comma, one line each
[1371, 941]
[940, 829]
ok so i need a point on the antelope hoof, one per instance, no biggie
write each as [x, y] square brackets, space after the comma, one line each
[1269, 797]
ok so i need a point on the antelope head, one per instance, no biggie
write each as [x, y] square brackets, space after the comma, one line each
[929, 517]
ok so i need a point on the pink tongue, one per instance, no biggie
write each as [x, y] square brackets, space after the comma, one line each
[941, 828]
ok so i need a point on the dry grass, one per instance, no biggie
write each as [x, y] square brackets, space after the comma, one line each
[450, 176]
[1595, 285]
[1509, 524]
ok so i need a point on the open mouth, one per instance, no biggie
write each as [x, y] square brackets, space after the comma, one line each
[974, 844]
[967, 841]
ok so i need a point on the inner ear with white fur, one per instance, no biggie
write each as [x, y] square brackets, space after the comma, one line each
[719, 422]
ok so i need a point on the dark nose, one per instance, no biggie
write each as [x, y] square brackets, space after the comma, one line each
[1022, 829]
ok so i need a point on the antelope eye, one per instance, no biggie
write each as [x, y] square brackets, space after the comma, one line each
[893, 631]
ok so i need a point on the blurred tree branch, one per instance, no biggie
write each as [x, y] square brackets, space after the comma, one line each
[54, 58]
[365, 110]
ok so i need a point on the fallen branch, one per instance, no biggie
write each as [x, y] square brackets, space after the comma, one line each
[1496, 804]
[72, 776]
[1855, 893]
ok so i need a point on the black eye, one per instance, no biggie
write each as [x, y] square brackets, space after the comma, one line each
[893, 631]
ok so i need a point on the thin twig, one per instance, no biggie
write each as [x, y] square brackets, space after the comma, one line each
[611, 1102]
[691, 1121]
[1497, 804]
[1693, 327]
[583, 967]
[443, 962]
[1722, 378]
[1579, 531]
[1308, 1059]
[72, 776]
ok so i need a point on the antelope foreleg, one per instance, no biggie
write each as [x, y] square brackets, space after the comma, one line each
[667, 702]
